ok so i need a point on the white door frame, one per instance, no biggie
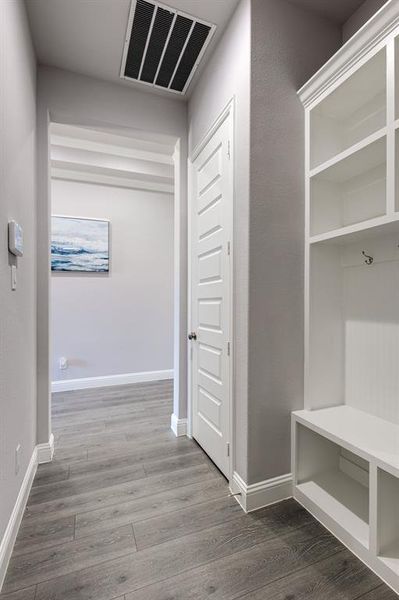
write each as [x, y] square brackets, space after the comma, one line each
[227, 112]
[44, 385]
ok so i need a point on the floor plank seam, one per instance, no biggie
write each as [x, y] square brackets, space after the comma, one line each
[293, 572]
[107, 487]
[116, 503]
[233, 553]
[171, 513]
[373, 589]
[77, 571]
[136, 551]
[134, 537]
[165, 513]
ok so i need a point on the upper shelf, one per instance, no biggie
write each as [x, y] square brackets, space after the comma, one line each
[355, 160]
[359, 432]
[350, 189]
[352, 112]
[359, 231]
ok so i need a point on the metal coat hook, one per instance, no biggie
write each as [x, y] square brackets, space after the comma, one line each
[369, 259]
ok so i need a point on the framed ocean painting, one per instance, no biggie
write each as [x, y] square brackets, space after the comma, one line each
[79, 244]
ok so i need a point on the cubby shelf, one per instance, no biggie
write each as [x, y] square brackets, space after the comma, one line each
[367, 436]
[359, 231]
[343, 499]
[361, 164]
[351, 188]
[351, 112]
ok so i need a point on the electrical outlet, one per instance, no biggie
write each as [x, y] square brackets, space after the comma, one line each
[63, 363]
[17, 458]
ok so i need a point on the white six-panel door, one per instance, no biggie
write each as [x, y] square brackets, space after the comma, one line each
[211, 216]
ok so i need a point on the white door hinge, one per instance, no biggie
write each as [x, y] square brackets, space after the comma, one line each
[228, 150]
[228, 248]
[228, 348]
[228, 449]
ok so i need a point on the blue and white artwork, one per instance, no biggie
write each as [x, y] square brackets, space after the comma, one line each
[79, 244]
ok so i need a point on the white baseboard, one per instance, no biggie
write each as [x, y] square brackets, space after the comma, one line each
[66, 385]
[45, 451]
[178, 426]
[10, 534]
[257, 495]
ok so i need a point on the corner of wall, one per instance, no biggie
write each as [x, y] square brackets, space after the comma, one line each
[288, 45]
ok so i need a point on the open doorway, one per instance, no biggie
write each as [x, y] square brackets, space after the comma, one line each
[118, 324]
[112, 215]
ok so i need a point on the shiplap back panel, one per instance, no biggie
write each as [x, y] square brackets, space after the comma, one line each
[371, 315]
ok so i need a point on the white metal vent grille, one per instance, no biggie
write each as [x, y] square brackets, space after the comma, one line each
[163, 46]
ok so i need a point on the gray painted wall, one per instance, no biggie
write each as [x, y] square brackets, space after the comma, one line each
[288, 46]
[360, 17]
[17, 201]
[122, 321]
[269, 49]
[227, 75]
[70, 98]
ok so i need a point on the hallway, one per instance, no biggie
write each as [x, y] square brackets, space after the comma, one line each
[128, 512]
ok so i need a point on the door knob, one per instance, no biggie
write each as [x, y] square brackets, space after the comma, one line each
[192, 336]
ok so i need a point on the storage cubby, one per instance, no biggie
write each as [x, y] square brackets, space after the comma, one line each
[349, 191]
[353, 339]
[346, 439]
[349, 114]
[335, 480]
[388, 519]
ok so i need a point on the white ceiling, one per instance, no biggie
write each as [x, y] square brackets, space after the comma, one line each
[338, 11]
[87, 36]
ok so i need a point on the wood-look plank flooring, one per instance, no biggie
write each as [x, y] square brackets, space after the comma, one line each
[128, 512]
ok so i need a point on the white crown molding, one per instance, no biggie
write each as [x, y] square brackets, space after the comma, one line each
[257, 495]
[65, 385]
[178, 426]
[384, 22]
[10, 534]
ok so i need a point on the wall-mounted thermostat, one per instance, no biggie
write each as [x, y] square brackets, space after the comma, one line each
[15, 238]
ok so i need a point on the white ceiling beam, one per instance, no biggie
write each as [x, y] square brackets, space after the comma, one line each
[139, 140]
[110, 161]
[119, 173]
[108, 180]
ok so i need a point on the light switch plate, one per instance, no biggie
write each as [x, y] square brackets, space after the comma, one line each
[15, 238]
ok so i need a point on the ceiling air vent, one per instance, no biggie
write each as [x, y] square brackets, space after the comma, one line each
[163, 46]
